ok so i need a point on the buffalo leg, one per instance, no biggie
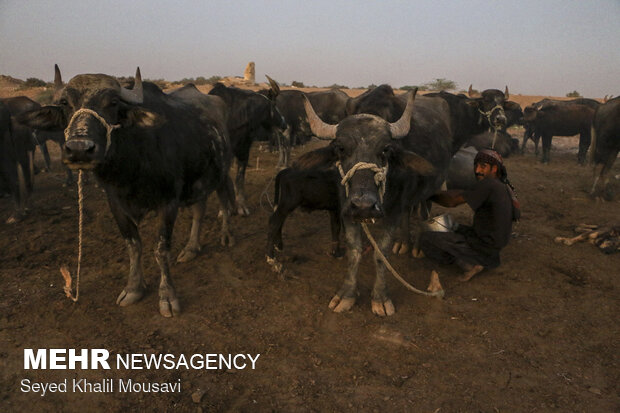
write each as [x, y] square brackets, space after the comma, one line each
[345, 298]
[274, 234]
[336, 224]
[381, 303]
[192, 249]
[226, 196]
[585, 139]
[242, 208]
[546, 147]
[168, 301]
[603, 175]
[135, 287]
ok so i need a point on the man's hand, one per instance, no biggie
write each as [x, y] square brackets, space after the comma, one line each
[449, 199]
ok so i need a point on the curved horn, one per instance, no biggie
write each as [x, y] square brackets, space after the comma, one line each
[470, 91]
[400, 128]
[57, 78]
[134, 95]
[274, 86]
[318, 127]
[506, 93]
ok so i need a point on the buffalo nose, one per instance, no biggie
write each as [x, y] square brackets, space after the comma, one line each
[79, 149]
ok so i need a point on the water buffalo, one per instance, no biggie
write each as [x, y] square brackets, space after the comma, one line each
[310, 189]
[248, 112]
[548, 119]
[150, 152]
[606, 144]
[386, 168]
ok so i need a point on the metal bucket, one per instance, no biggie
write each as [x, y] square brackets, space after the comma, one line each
[440, 223]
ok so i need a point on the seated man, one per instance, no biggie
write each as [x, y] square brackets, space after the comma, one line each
[495, 207]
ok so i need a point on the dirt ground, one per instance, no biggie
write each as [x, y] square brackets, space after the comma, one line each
[538, 334]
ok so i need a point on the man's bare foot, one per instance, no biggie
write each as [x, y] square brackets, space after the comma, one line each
[467, 275]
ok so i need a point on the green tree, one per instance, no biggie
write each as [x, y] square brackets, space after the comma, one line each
[441, 84]
[573, 94]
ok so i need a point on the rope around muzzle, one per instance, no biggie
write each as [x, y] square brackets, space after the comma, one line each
[380, 176]
[109, 128]
[488, 116]
[64, 270]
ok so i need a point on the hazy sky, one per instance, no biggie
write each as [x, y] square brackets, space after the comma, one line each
[547, 47]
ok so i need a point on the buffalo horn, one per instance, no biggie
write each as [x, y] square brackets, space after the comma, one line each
[506, 94]
[57, 78]
[133, 95]
[400, 128]
[274, 85]
[319, 128]
[470, 91]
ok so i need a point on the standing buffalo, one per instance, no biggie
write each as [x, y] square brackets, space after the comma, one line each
[248, 113]
[150, 152]
[606, 142]
[386, 168]
[20, 104]
[550, 118]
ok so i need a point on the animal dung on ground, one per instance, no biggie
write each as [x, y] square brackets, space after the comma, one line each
[607, 238]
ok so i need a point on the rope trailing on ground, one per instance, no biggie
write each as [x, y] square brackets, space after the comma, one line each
[64, 270]
[439, 293]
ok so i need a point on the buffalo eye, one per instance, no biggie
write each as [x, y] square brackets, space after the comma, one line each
[114, 102]
[339, 150]
[387, 153]
[64, 102]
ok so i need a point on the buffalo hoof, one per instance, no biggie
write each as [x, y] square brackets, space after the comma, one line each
[338, 252]
[188, 254]
[127, 298]
[227, 239]
[276, 266]
[400, 248]
[417, 253]
[383, 309]
[169, 307]
[243, 211]
[339, 305]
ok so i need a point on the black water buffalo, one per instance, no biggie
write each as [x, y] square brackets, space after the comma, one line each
[473, 116]
[514, 114]
[310, 189]
[548, 119]
[500, 141]
[386, 168]
[531, 133]
[248, 113]
[150, 152]
[16, 159]
[330, 107]
[606, 144]
[20, 104]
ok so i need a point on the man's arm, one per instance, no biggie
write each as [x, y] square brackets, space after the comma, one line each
[450, 198]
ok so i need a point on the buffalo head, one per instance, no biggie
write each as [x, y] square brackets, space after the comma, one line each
[89, 109]
[365, 148]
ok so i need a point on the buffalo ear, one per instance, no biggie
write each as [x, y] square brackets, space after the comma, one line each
[417, 163]
[50, 118]
[474, 103]
[322, 157]
[510, 105]
[142, 118]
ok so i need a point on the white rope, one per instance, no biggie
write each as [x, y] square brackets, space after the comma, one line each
[439, 293]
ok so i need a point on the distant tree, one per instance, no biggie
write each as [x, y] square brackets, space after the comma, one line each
[371, 86]
[441, 84]
[33, 82]
[573, 94]
[337, 86]
[423, 87]
[161, 83]
[295, 83]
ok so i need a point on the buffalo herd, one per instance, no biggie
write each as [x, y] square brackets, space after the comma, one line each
[152, 150]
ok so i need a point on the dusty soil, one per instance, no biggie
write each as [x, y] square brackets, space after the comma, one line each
[538, 334]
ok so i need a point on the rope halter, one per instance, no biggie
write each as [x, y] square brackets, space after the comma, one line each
[109, 128]
[488, 114]
[380, 175]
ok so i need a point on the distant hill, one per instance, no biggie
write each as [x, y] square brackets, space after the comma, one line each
[8, 81]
